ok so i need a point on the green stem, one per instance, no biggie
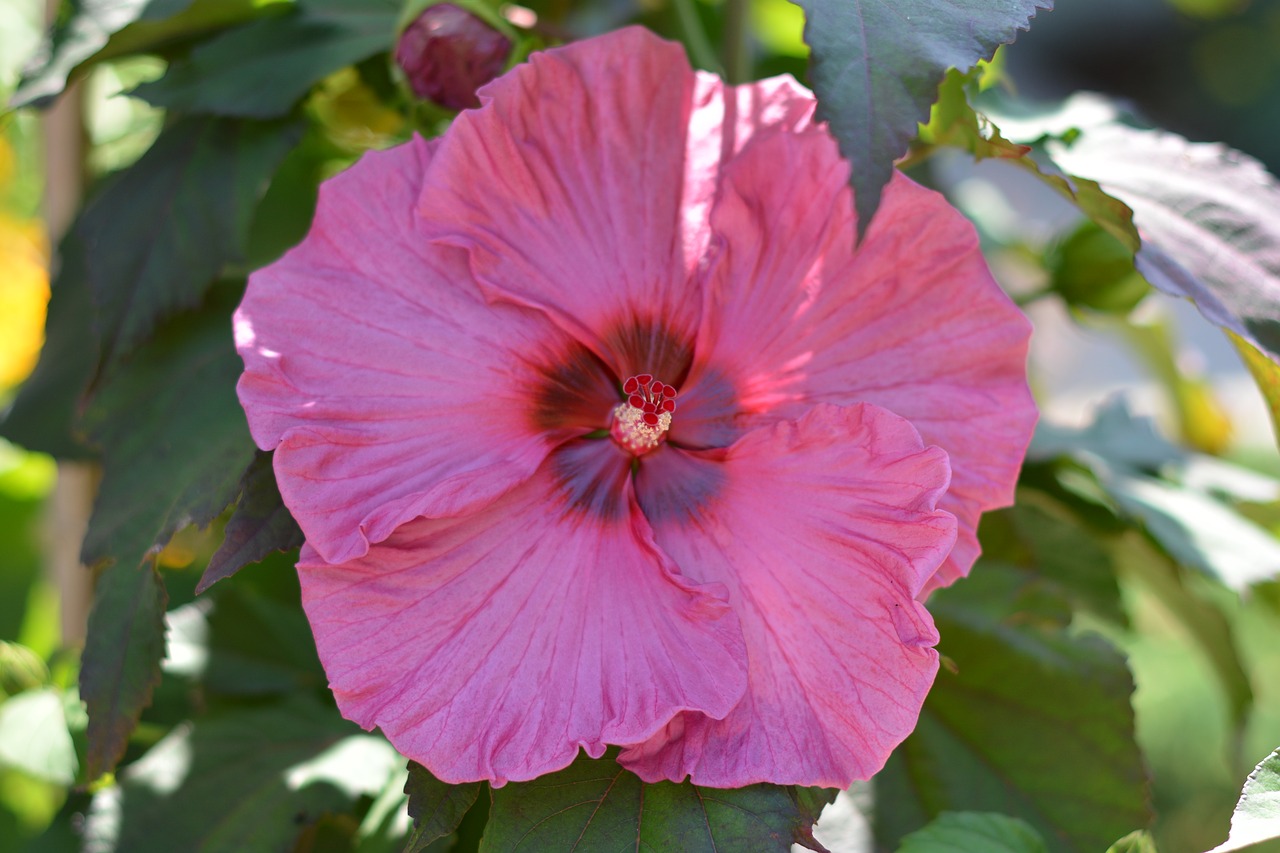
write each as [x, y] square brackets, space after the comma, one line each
[1024, 299]
[704, 55]
[736, 63]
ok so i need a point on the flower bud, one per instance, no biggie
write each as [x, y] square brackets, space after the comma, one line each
[447, 53]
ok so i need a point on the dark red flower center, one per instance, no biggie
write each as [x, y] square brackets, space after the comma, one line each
[641, 423]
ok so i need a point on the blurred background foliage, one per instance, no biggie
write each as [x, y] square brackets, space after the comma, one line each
[1204, 650]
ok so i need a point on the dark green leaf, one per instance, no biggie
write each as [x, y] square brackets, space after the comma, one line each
[89, 31]
[436, 807]
[597, 805]
[165, 228]
[224, 75]
[244, 780]
[1036, 724]
[259, 525]
[958, 832]
[1257, 815]
[173, 438]
[48, 403]
[259, 645]
[123, 648]
[876, 68]
[1206, 217]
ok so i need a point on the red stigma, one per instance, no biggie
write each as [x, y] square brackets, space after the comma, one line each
[640, 424]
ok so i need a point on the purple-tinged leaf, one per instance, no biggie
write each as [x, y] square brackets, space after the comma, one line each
[876, 67]
[259, 525]
[120, 668]
[1207, 218]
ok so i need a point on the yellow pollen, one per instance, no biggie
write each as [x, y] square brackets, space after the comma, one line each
[630, 430]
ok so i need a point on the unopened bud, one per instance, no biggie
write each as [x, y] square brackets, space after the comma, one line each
[447, 53]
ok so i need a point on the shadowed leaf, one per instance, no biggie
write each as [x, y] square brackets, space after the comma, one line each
[163, 230]
[876, 67]
[173, 439]
[249, 779]
[436, 807]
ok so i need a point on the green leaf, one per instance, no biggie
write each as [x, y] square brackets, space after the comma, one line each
[225, 75]
[260, 525]
[48, 403]
[1266, 375]
[34, 736]
[1035, 724]
[247, 779]
[436, 807]
[1138, 841]
[1091, 268]
[876, 68]
[1206, 216]
[258, 644]
[954, 122]
[173, 438]
[957, 832]
[597, 805]
[89, 31]
[167, 226]
[123, 648]
[1188, 520]
[1257, 815]
[1202, 619]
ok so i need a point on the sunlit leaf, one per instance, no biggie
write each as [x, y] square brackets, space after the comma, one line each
[952, 832]
[876, 68]
[1138, 841]
[1257, 815]
[954, 122]
[157, 237]
[1035, 724]
[1207, 219]
[34, 736]
[597, 805]
[94, 30]
[248, 779]
[224, 75]
[435, 807]
[1265, 372]
[259, 525]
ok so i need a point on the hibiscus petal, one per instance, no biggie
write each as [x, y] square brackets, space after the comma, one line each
[724, 119]
[494, 646]
[566, 186]
[824, 530]
[913, 321]
[387, 386]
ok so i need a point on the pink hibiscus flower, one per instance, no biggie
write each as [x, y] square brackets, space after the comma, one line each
[601, 432]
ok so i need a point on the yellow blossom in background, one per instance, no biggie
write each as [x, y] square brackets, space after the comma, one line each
[24, 295]
[24, 286]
